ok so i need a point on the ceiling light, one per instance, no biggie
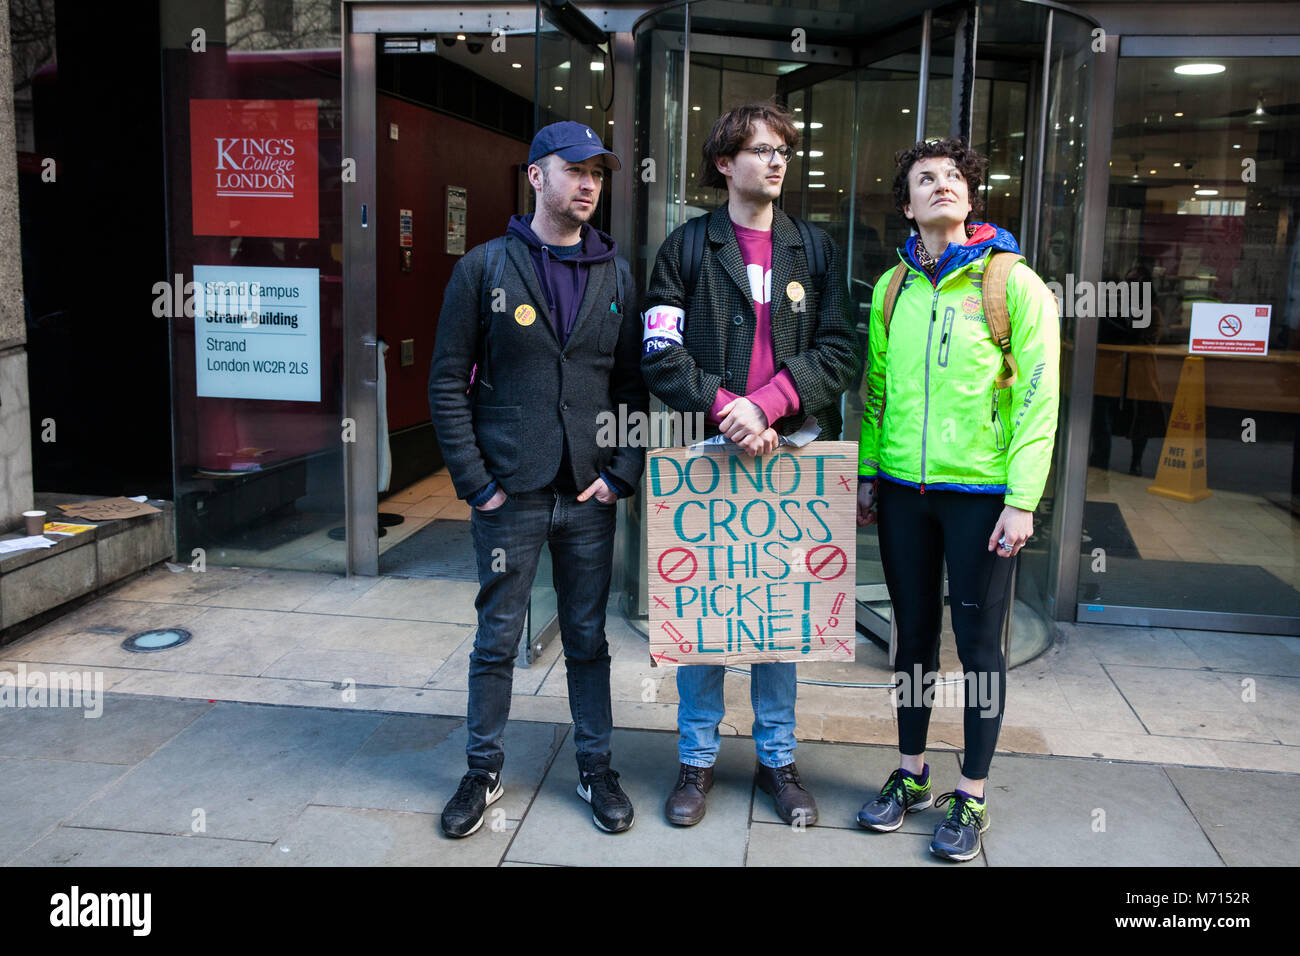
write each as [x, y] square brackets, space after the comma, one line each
[906, 110]
[517, 66]
[1199, 69]
[597, 66]
[816, 185]
[695, 108]
[1152, 172]
[1178, 113]
[460, 36]
[1207, 192]
[587, 107]
[999, 176]
[559, 89]
[816, 172]
[1177, 164]
[564, 65]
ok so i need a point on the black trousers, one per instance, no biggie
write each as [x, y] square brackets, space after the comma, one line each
[919, 533]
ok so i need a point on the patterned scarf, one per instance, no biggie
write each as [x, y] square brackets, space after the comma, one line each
[927, 261]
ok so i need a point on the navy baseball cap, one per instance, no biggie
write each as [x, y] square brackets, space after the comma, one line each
[573, 141]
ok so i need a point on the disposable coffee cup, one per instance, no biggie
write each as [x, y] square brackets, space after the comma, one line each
[35, 522]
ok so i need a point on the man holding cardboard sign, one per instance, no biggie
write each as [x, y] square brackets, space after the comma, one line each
[751, 300]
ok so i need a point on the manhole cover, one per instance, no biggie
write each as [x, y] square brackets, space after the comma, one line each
[161, 639]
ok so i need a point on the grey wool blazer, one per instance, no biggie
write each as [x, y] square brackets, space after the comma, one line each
[532, 393]
[816, 344]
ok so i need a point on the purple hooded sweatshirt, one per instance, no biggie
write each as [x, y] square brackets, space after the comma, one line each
[564, 279]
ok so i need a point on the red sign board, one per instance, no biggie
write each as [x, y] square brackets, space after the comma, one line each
[253, 168]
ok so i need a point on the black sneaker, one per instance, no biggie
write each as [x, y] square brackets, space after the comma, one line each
[958, 837]
[902, 793]
[611, 810]
[463, 813]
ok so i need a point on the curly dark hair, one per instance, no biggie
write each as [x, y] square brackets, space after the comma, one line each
[733, 127]
[970, 163]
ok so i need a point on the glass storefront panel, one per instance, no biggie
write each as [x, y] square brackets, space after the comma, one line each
[1057, 204]
[254, 211]
[1194, 463]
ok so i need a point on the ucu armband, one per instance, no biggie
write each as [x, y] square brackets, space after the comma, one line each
[663, 327]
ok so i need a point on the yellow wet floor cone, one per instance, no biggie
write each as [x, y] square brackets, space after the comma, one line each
[1181, 474]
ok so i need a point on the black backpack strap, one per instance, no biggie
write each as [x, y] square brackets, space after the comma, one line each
[494, 263]
[623, 274]
[693, 252]
[814, 252]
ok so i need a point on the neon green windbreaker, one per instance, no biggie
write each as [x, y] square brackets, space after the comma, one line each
[932, 417]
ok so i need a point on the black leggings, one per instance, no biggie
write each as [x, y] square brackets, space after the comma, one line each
[919, 533]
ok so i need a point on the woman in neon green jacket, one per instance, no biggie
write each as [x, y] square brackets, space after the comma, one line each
[952, 466]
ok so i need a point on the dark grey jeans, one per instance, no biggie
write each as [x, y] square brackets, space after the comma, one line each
[581, 538]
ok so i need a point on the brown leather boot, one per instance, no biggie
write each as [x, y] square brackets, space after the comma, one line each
[685, 806]
[791, 800]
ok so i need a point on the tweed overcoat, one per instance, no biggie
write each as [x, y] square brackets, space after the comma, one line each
[816, 344]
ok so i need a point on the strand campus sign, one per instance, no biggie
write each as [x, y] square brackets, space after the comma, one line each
[752, 558]
[253, 168]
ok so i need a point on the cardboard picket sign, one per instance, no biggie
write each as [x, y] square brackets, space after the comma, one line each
[751, 558]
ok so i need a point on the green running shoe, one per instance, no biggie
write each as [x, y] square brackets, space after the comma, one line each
[901, 794]
[958, 837]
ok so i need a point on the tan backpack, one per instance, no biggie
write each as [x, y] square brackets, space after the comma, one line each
[996, 313]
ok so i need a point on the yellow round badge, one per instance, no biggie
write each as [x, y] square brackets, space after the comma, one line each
[794, 292]
[525, 315]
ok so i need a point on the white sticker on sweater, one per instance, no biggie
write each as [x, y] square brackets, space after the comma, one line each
[760, 283]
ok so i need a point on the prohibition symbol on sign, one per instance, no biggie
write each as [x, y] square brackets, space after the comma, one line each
[1230, 325]
[673, 565]
[826, 562]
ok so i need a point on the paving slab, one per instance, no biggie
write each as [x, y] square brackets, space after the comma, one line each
[126, 732]
[1042, 812]
[250, 769]
[276, 590]
[775, 844]
[340, 836]
[360, 667]
[414, 764]
[36, 794]
[842, 777]
[81, 846]
[1248, 653]
[1244, 814]
[559, 827]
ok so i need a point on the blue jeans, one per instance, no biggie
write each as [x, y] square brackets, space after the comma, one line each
[581, 538]
[772, 689]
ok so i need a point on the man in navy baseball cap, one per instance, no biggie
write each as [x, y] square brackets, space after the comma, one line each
[573, 141]
[526, 449]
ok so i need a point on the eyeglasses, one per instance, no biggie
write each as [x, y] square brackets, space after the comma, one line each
[765, 152]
